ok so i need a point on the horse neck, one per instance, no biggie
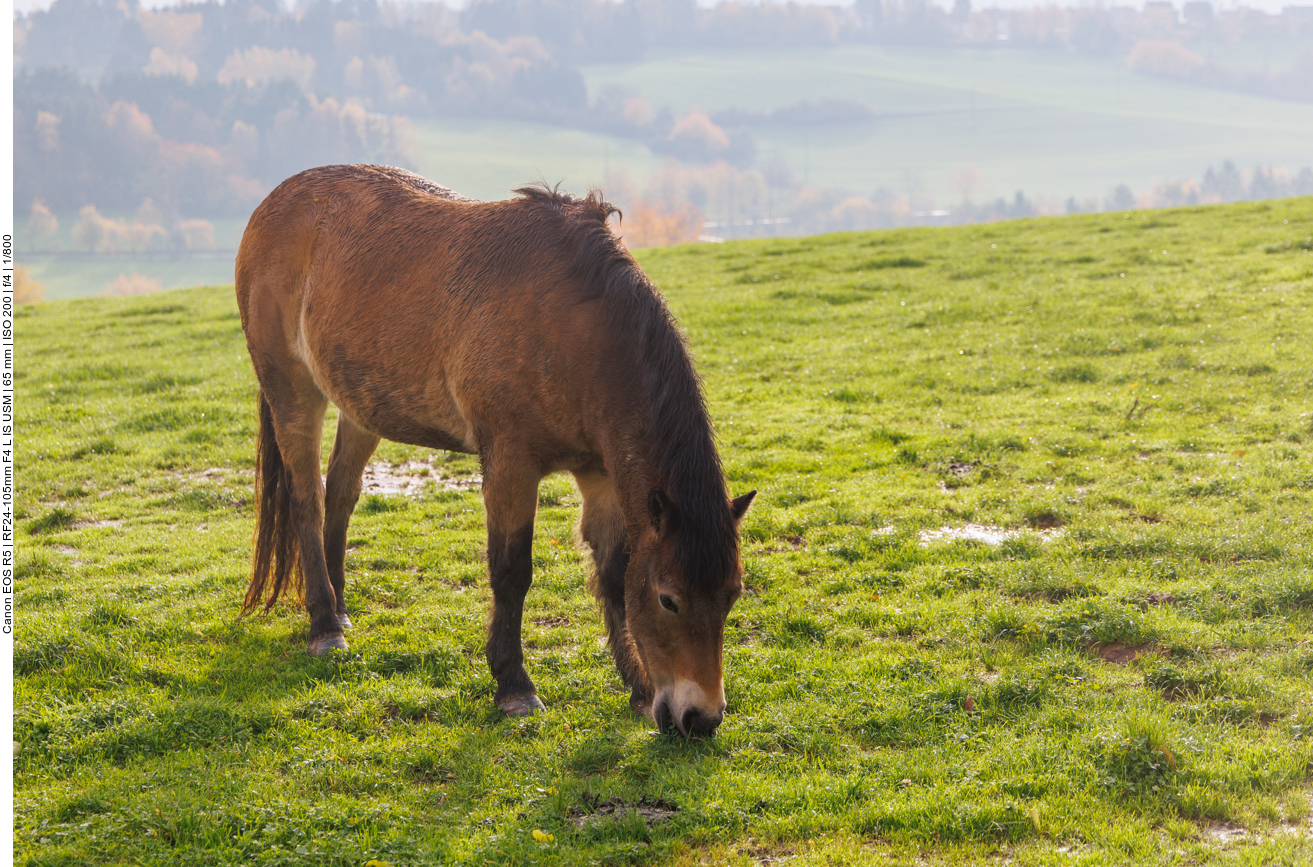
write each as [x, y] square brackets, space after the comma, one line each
[660, 434]
[666, 441]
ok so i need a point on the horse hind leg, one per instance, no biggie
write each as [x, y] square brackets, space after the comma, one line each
[602, 527]
[296, 414]
[351, 452]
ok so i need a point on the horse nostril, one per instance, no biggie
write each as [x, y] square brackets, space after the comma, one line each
[695, 723]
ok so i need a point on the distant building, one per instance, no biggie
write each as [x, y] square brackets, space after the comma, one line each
[1198, 13]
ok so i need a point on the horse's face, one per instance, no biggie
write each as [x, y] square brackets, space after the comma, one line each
[678, 629]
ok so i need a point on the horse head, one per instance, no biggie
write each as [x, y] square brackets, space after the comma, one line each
[675, 611]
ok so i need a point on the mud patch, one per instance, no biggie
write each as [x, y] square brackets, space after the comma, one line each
[982, 533]
[548, 622]
[787, 543]
[768, 855]
[1225, 833]
[597, 812]
[410, 479]
[961, 468]
[1045, 520]
[1302, 830]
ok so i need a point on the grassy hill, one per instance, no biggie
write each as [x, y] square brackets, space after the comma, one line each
[1120, 673]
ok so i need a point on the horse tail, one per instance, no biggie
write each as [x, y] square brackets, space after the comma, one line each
[277, 552]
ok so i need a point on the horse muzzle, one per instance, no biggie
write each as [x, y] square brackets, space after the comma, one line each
[687, 708]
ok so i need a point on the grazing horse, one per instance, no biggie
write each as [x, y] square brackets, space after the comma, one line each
[520, 331]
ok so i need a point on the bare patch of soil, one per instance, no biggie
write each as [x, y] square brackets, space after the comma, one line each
[547, 622]
[1045, 521]
[1302, 829]
[982, 533]
[596, 811]
[1224, 833]
[790, 543]
[410, 478]
[767, 855]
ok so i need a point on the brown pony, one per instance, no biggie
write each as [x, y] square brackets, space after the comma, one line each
[520, 331]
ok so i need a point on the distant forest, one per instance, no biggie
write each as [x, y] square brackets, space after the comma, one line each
[202, 108]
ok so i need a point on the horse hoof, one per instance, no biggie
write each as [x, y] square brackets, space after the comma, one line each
[324, 643]
[344, 621]
[523, 706]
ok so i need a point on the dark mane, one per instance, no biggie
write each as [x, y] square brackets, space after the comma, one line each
[678, 431]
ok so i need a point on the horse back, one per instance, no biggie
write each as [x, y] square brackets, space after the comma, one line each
[426, 317]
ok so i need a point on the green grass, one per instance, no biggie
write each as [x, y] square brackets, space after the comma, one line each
[1117, 683]
[1045, 122]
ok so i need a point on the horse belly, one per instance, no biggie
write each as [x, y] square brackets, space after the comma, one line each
[389, 394]
[399, 423]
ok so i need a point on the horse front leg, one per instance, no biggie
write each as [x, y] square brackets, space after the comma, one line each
[510, 496]
[602, 527]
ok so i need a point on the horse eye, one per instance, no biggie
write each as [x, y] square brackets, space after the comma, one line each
[669, 604]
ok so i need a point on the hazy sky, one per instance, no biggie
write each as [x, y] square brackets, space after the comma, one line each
[1266, 5]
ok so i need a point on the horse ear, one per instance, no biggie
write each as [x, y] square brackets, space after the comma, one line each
[662, 512]
[739, 505]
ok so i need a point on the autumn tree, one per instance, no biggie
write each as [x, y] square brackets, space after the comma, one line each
[41, 223]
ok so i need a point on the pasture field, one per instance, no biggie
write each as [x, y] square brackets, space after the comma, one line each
[65, 274]
[1122, 675]
[67, 277]
[1044, 122]
[486, 159]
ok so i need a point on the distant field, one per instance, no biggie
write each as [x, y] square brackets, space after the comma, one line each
[1041, 122]
[1259, 55]
[79, 276]
[486, 159]
[1050, 124]
[1122, 676]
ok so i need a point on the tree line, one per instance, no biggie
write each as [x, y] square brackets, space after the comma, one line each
[201, 108]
